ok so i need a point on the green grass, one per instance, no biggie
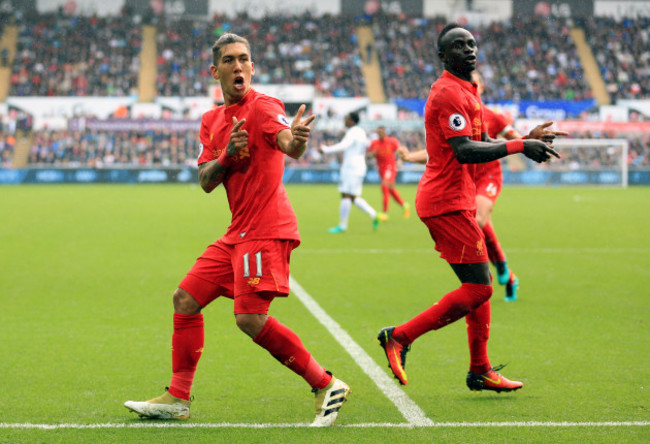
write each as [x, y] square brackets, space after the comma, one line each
[87, 274]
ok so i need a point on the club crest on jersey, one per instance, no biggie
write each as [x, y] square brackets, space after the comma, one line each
[457, 122]
[283, 119]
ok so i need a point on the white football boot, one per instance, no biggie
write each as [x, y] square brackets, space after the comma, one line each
[165, 406]
[328, 402]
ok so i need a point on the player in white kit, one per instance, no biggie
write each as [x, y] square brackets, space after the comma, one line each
[353, 170]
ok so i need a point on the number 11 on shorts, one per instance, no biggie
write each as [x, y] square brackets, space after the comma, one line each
[258, 264]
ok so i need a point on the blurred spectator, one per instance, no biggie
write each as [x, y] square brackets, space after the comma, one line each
[7, 143]
[4, 55]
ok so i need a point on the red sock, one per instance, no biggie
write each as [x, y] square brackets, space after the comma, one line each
[397, 197]
[478, 332]
[187, 347]
[285, 346]
[453, 306]
[386, 194]
[494, 248]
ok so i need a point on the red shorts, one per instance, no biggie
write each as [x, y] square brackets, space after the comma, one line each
[252, 273]
[489, 186]
[458, 237]
[388, 173]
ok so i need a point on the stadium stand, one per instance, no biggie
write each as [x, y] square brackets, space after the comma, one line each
[622, 49]
[103, 149]
[147, 148]
[147, 71]
[7, 55]
[296, 50]
[57, 55]
[591, 69]
[385, 57]
[102, 56]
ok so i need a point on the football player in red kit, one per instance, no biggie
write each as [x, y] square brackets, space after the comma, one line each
[456, 140]
[243, 144]
[384, 148]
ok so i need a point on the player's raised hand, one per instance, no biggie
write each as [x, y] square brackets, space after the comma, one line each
[300, 128]
[539, 151]
[238, 137]
[541, 132]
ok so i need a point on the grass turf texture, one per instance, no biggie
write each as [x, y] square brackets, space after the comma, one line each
[88, 271]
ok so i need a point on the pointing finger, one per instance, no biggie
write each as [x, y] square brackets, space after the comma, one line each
[553, 152]
[237, 124]
[298, 116]
[309, 119]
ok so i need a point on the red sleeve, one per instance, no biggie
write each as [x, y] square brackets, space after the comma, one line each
[372, 146]
[453, 118]
[272, 118]
[205, 153]
[496, 121]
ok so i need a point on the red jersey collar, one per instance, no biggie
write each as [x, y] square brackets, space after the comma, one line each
[249, 94]
[469, 86]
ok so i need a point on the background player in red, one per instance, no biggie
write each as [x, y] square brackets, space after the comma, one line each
[384, 148]
[243, 144]
[489, 182]
[456, 140]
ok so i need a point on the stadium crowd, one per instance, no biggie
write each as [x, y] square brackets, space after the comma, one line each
[76, 56]
[295, 50]
[622, 49]
[166, 148]
[104, 149]
[530, 58]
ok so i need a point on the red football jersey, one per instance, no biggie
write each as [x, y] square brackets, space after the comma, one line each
[495, 124]
[453, 109]
[384, 151]
[258, 201]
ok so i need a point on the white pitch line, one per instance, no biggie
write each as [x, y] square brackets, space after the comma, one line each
[510, 250]
[409, 409]
[230, 425]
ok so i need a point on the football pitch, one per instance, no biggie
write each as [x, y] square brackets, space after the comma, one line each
[87, 275]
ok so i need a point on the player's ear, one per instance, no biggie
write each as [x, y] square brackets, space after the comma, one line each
[215, 72]
[252, 69]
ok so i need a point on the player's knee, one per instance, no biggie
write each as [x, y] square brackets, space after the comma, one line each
[480, 293]
[251, 324]
[184, 303]
[484, 292]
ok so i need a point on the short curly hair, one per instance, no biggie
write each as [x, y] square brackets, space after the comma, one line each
[227, 39]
